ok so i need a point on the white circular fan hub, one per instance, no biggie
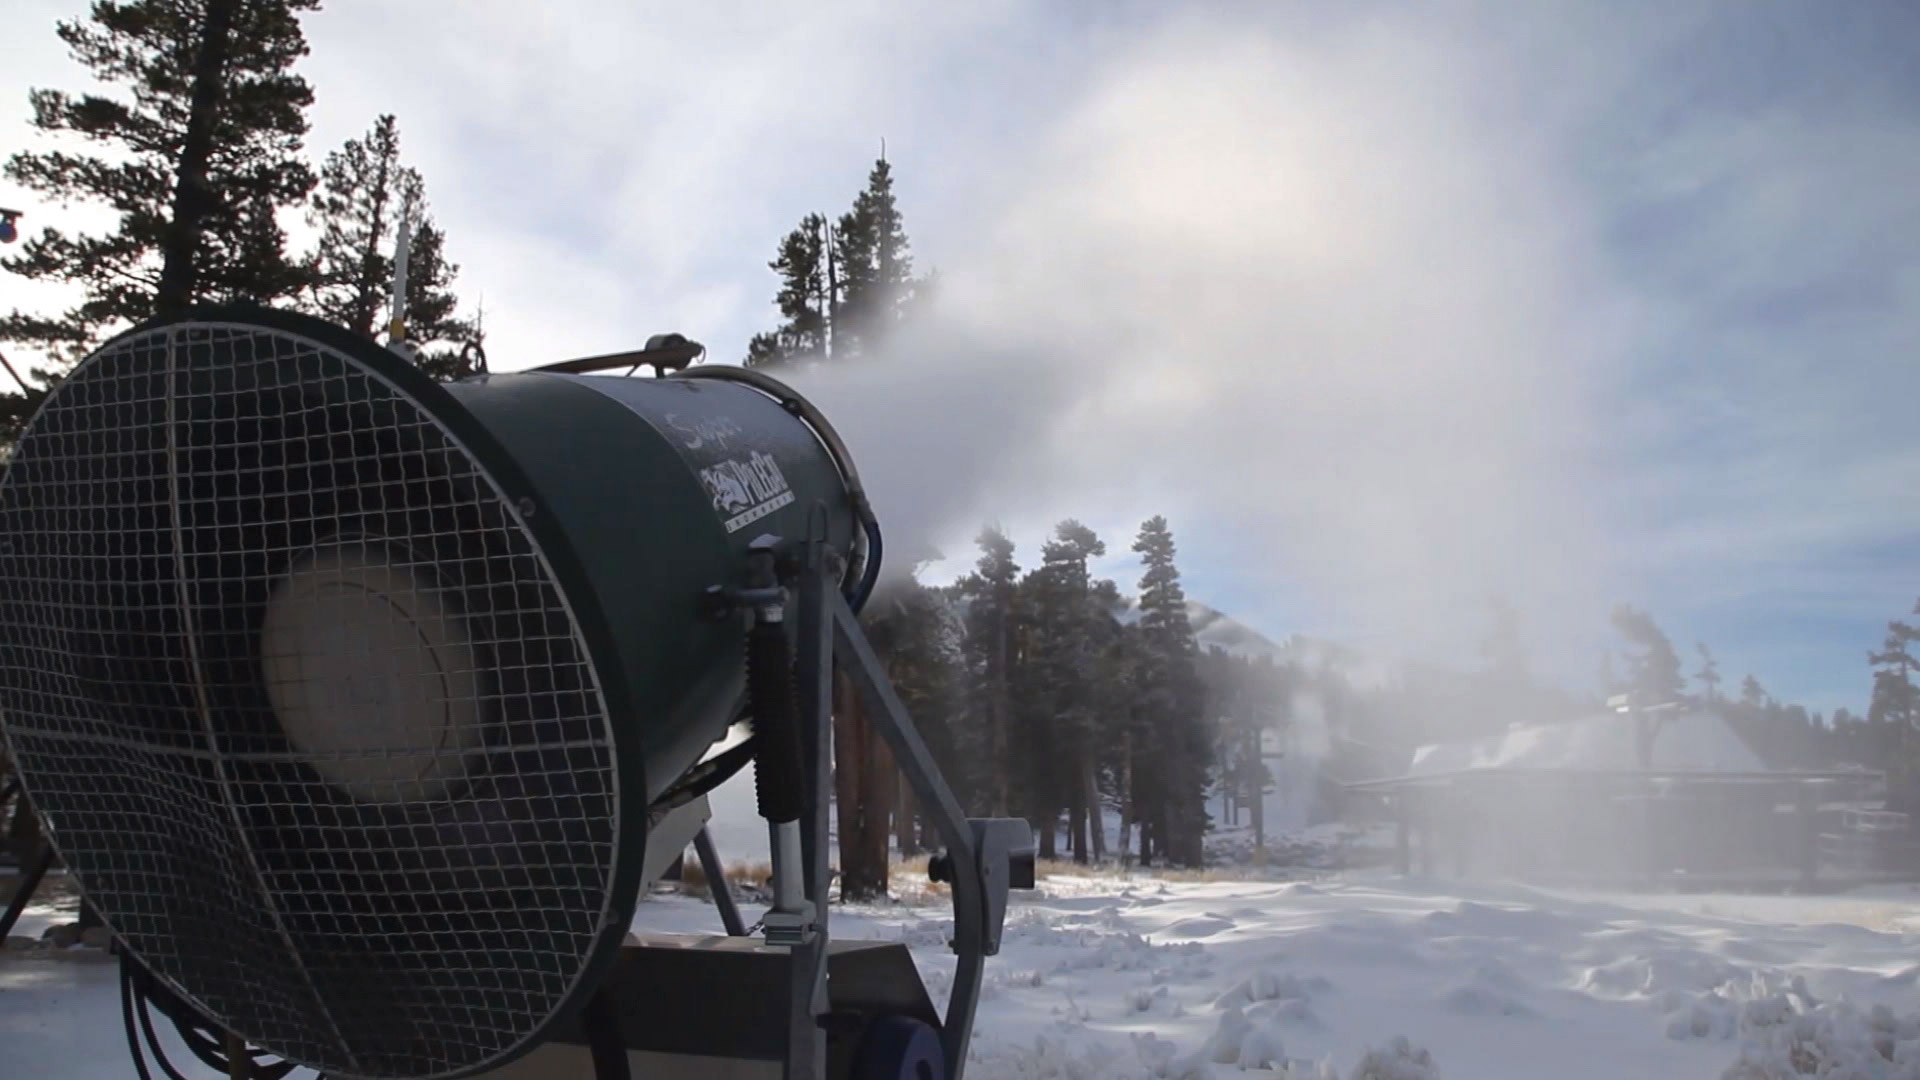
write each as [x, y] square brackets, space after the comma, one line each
[373, 678]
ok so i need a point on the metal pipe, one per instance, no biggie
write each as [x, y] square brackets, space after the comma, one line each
[789, 891]
[717, 883]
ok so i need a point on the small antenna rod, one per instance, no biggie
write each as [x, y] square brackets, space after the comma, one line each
[402, 252]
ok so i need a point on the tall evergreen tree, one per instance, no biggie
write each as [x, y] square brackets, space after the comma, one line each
[366, 193]
[208, 123]
[877, 262]
[909, 627]
[1173, 813]
[1752, 694]
[1653, 667]
[1059, 722]
[807, 298]
[991, 594]
[1894, 698]
[843, 285]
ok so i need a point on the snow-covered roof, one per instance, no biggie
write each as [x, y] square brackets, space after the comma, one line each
[1697, 741]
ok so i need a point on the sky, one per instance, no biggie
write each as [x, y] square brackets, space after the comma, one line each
[1387, 306]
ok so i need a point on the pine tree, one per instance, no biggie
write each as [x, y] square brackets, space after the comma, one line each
[444, 344]
[1894, 713]
[1752, 694]
[1653, 667]
[843, 286]
[877, 262]
[908, 626]
[365, 195]
[1240, 693]
[1175, 757]
[991, 594]
[1708, 675]
[807, 298]
[210, 124]
[1058, 696]
[1894, 697]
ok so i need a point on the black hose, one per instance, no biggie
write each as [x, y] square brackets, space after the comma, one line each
[869, 574]
[153, 1043]
[126, 1015]
[709, 774]
[799, 406]
[140, 993]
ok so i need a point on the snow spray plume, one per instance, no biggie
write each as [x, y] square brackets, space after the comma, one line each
[1307, 303]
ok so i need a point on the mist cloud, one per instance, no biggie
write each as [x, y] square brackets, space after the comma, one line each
[1299, 298]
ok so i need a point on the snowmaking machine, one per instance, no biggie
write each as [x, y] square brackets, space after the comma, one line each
[362, 708]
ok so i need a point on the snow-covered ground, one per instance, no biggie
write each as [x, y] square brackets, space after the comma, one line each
[1109, 977]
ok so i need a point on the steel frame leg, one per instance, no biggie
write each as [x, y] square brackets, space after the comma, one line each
[717, 883]
[984, 857]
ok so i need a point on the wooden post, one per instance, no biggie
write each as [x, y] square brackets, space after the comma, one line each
[239, 1065]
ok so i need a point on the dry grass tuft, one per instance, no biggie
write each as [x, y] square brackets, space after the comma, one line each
[741, 875]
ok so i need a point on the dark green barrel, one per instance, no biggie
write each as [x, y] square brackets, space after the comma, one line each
[344, 694]
[660, 485]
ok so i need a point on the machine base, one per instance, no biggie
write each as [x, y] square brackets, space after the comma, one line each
[680, 1001]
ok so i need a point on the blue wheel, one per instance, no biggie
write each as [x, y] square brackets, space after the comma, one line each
[899, 1048]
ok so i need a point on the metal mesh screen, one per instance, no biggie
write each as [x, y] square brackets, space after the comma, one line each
[301, 704]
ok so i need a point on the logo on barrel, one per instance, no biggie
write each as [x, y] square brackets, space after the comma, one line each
[746, 489]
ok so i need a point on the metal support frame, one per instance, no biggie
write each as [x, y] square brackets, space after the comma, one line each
[717, 885]
[984, 857]
[813, 664]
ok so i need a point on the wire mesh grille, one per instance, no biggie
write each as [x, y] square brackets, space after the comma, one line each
[301, 703]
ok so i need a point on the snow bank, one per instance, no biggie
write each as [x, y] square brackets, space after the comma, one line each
[1354, 979]
[1836, 1041]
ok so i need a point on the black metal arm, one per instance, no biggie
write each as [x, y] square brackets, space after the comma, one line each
[984, 857]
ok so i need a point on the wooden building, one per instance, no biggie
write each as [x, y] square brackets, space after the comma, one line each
[1583, 803]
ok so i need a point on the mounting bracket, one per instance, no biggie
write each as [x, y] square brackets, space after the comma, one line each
[984, 857]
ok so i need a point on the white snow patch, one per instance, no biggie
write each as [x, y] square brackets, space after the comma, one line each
[1355, 978]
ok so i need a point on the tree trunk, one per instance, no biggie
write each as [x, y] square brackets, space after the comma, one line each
[861, 876]
[1077, 821]
[1126, 797]
[1001, 706]
[1046, 825]
[906, 819]
[878, 786]
[191, 192]
[1095, 814]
